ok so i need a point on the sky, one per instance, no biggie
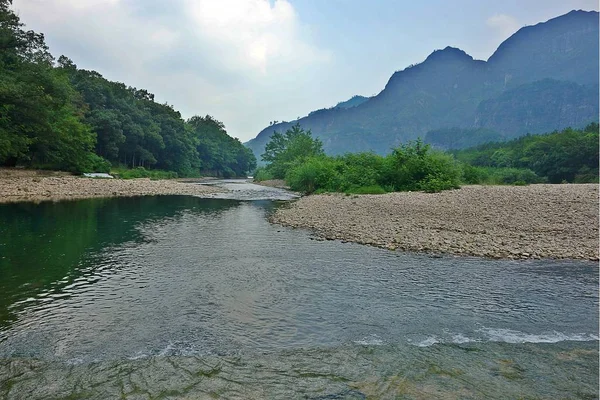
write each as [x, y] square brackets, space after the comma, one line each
[250, 62]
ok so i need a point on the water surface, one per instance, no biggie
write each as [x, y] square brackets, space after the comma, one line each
[166, 297]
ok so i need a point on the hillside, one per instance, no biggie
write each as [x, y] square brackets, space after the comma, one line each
[54, 115]
[542, 78]
[354, 101]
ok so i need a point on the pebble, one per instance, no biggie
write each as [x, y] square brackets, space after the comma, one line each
[516, 222]
[25, 185]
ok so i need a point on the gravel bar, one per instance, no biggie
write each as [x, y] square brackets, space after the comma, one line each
[16, 186]
[516, 222]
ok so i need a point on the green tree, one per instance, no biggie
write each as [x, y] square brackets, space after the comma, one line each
[414, 166]
[293, 146]
[220, 154]
[569, 155]
[41, 122]
[61, 117]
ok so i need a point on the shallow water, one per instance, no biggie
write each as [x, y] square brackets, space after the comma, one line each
[241, 189]
[166, 297]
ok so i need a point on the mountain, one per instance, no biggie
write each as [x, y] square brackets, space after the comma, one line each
[542, 78]
[352, 102]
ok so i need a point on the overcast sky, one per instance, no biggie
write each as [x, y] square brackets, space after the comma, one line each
[249, 62]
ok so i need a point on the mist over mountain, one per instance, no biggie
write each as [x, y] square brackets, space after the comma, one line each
[542, 78]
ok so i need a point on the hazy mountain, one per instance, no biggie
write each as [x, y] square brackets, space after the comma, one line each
[352, 102]
[542, 78]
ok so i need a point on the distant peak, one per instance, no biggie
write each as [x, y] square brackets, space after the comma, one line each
[580, 12]
[449, 53]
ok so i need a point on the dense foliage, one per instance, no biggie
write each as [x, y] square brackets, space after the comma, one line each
[54, 115]
[298, 158]
[290, 148]
[569, 155]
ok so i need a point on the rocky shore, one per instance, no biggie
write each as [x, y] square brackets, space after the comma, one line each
[19, 185]
[518, 222]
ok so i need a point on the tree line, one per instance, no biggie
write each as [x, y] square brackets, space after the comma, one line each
[298, 158]
[570, 155]
[56, 116]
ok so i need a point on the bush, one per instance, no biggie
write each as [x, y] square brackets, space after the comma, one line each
[512, 176]
[409, 167]
[95, 163]
[261, 174]
[475, 175]
[359, 170]
[500, 176]
[586, 175]
[316, 173]
[436, 185]
[414, 166]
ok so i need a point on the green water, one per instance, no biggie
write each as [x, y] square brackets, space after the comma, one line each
[46, 246]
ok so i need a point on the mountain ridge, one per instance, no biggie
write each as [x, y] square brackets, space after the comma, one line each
[448, 88]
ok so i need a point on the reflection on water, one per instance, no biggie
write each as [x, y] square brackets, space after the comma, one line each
[208, 296]
[47, 246]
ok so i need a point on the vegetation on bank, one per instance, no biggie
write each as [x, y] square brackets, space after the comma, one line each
[141, 172]
[56, 116]
[298, 158]
[566, 156]
[570, 155]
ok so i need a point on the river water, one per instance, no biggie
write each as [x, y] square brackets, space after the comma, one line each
[182, 297]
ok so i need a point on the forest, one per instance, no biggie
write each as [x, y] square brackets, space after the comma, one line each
[568, 156]
[54, 115]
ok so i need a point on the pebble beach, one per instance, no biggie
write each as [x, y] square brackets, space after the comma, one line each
[514, 222]
[37, 186]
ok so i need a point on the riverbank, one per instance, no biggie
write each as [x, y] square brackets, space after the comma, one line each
[517, 222]
[274, 183]
[36, 186]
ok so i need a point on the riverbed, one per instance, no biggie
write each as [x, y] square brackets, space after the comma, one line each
[185, 297]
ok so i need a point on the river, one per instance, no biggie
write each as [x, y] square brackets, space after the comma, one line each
[183, 297]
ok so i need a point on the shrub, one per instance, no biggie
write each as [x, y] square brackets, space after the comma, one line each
[414, 166]
[359, 170]
[262, 174]
[313, 174]
[500, 176]
[435, 185]
[586, 175]
[475, 175]
[95, 163]
[510, 176]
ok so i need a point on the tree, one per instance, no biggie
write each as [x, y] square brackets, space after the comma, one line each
[54, 115]
[293, 146]
[41, 121]
[219, 153]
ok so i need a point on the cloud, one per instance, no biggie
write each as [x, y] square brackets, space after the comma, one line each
[504, 24]
[251, 33]
[223, 57]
